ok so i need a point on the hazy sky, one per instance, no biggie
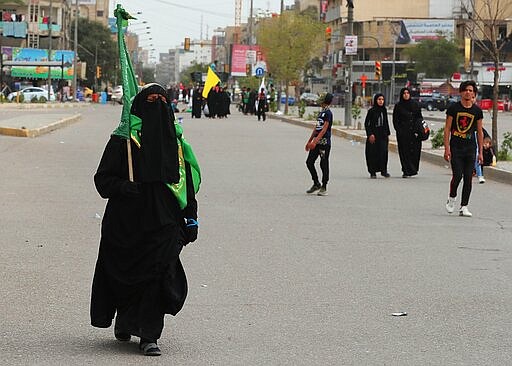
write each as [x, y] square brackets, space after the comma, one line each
[173, 20]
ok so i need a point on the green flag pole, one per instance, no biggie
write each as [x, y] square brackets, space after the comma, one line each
[129, 82]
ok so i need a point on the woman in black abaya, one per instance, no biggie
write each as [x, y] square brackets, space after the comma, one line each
[377, 138]
[405, 113]
[138, 273]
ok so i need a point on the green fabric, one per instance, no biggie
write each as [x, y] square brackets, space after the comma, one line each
[186, 154]
[129, 81]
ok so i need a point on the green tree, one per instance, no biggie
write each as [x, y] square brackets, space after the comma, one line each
[95, 43]
[148, 75]
[289, 42]
[438, 58]
[185, 75]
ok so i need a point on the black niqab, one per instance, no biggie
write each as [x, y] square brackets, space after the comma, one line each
[159, 147]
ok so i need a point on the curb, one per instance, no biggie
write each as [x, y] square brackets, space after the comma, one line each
[42, 105]
[23, 132]
[495, 174]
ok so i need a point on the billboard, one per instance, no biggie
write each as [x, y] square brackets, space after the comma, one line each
[36, 55]
[416, 30]
[241, 55]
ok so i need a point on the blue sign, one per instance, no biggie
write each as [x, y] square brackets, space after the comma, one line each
[259, 71]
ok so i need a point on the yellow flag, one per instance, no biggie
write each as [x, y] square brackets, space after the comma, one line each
[211, 80]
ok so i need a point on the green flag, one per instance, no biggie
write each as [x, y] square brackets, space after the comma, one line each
[130, 88]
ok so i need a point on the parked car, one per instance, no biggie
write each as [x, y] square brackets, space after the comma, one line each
[309, 98]
[291, 100]
[32, 92]
[117, 94]
[436, 101]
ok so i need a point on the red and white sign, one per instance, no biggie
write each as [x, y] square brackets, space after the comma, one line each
[240, 56]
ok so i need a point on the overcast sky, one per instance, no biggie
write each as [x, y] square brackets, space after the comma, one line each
[173, 20]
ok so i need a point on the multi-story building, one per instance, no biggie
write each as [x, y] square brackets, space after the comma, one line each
[32, 24]
[385, 29]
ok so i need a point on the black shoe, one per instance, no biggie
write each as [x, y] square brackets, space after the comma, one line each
[373, 176]
[385, 175]
[405, 176]
[315, 187]
[150, 349]
[121, 334]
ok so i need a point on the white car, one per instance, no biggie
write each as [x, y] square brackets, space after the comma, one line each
[30, 92]
[117, 94]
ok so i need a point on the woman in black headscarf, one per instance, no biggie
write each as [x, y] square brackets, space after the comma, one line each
[138, 273]
[197, 103]
[377, 137]
[405, 113]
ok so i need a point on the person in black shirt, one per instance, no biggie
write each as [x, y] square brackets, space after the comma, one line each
[319, 145]
[462, 120]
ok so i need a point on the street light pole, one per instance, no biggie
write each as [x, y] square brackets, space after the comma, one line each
[50, 49]
[75, 60]
[348, 94]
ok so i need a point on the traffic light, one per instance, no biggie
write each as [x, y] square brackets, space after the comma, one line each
[378, 70]
[328, 34]
[248, 69]
[98, 72]
[186, 44]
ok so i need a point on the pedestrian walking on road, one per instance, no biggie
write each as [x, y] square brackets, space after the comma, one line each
[405, 114]
[377, 138]
[319, 145]
[460, 143]
[262, 105]
[139, 276]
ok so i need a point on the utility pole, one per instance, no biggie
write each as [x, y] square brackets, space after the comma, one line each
[348, 93]
[250, 24]
[50, 49]
[75, 60]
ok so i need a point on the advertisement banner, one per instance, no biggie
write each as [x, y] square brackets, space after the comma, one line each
[242, 54]
[416, 30]
[36, 55]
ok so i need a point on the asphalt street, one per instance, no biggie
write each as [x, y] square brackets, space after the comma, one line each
[276, 277]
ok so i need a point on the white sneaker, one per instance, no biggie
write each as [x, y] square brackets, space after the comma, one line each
[481, 179]
[465, 212]
[450, 204]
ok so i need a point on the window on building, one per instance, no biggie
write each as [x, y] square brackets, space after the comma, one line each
[99, 13]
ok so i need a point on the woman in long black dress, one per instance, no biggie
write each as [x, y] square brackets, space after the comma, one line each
[405, 113]
[377, 137]
[138, 273]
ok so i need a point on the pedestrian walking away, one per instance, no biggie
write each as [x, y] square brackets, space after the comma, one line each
[377, 138]
[319, 145]
[405, 114]
[262, 105]
[460, 143]
[139, 276]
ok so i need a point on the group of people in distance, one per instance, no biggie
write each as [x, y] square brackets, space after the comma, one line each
[467, 145]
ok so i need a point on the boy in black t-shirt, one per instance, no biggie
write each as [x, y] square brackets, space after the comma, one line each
[319, 145]
[462, 120]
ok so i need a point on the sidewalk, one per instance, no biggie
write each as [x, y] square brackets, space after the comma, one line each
[31, 120]
[501, 173]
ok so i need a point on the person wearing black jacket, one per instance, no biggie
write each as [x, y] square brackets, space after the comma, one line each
[377, 137]
[405, 114]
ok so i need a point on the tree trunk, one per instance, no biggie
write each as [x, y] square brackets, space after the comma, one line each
[495, 90]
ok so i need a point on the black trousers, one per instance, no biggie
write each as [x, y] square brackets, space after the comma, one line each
[323, 152]
[462, 162]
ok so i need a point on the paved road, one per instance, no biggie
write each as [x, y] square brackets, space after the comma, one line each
[277, 277]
